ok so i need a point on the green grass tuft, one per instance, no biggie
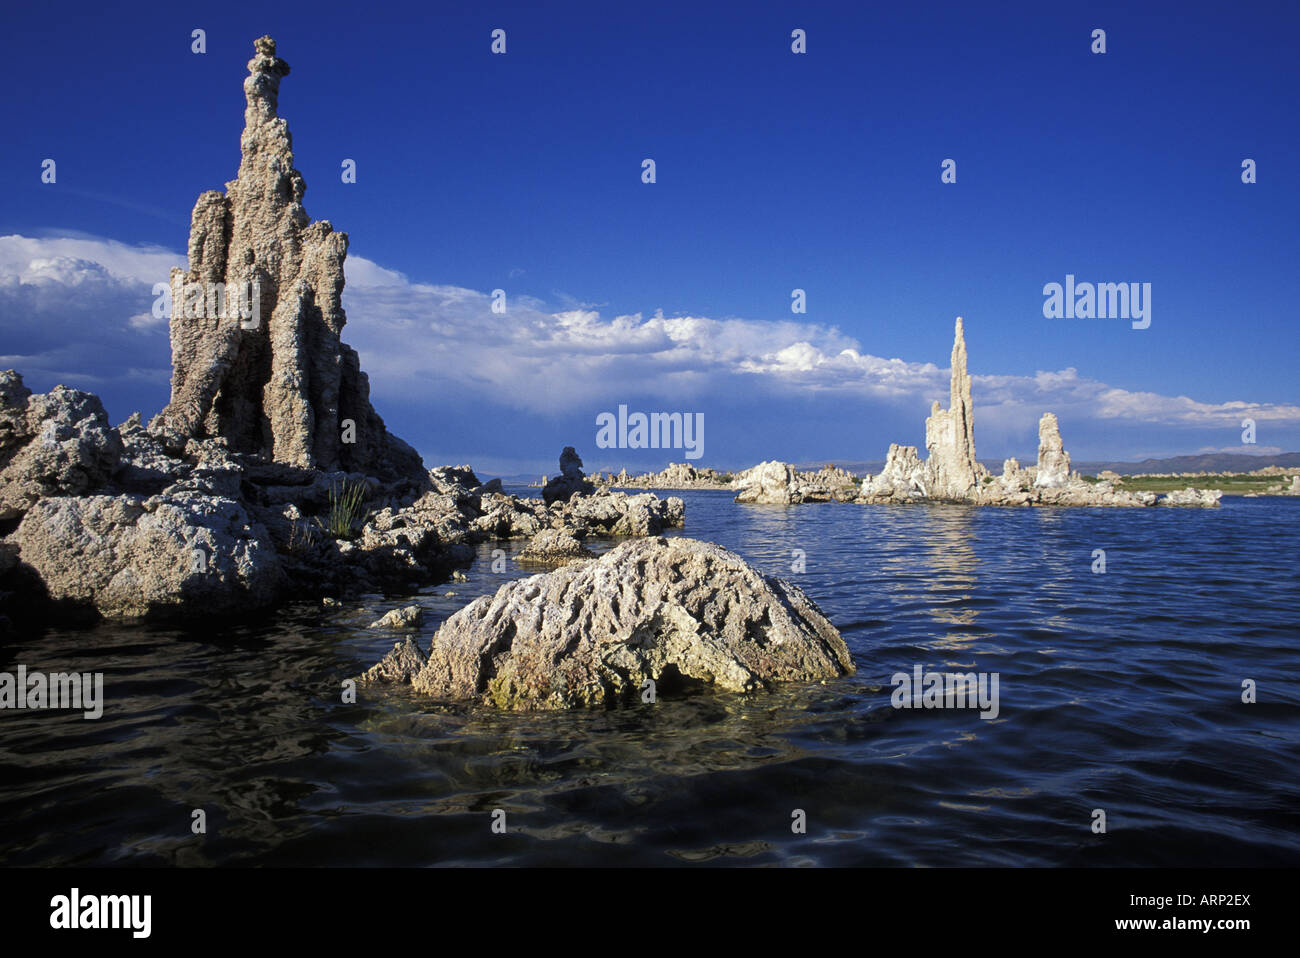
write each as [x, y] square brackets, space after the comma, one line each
[347, 512]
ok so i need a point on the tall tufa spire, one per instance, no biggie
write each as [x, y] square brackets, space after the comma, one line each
[950, 433]
[275, 380]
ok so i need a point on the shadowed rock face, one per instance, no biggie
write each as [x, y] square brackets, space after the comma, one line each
[570, 482]
[277, 382]
[590, 634]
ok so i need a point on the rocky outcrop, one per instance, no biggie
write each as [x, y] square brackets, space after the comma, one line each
[768, 483]
[274, 380]
[408, 543]
[1053, 469]
[779, 483]
[619, 514]
[14, 430]
[1191, 497]
[676, 475]
[1277, 489]
[674, 611]
[407, 617]
[903, 478]
[570, 482]
[554, 547]
[1076, 492]
[268, 473]
[952, 469]
[952, 474]
[166, 556]
[58, 443]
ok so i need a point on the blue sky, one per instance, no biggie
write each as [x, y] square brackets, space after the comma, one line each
[775, 171]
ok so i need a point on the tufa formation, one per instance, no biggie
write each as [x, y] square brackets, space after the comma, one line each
[275, 381]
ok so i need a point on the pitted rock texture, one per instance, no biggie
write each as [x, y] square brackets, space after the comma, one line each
[58, 443]
[676, 611]
[166, 556]
[554, 547]
[279, 383]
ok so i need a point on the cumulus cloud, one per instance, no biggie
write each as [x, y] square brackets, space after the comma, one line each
[81, 308]
[406, 333]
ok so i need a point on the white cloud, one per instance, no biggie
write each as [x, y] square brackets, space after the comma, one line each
[82, 306]
[42, 259]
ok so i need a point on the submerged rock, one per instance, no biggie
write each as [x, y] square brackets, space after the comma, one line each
[407, 617]
[675, 611]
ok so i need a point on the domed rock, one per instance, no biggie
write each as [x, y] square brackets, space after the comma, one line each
[669, 610]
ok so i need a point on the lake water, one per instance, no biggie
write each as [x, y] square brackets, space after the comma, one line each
[1119, 691]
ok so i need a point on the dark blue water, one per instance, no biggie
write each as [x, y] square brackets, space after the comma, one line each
[1120, 692]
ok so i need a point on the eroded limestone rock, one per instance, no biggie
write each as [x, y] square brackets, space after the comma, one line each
[407, 617]
[591, 634]
[129, 557]
[950, 434]
[570, 482]
[1053, 461]
[281, 383]
[554, 547]
[58, 443]
[1204, 498]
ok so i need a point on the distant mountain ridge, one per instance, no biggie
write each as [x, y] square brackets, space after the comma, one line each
[1209, 462]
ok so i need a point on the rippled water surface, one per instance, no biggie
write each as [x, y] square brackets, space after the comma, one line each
[1119, 692]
